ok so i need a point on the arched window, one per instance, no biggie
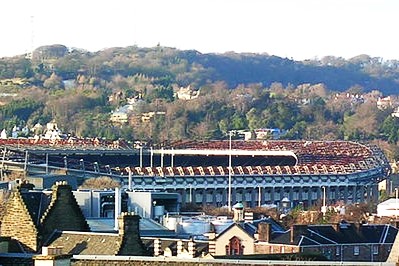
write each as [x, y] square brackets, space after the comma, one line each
[234, 247]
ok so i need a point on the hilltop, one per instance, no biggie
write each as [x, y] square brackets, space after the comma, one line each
[163, 93]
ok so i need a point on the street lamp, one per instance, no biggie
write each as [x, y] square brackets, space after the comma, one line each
[396, 203]
[229, 192]
[324, 207]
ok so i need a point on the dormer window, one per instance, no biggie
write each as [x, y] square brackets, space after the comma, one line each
[356, 250]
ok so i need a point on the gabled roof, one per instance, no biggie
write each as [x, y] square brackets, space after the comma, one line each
[276, 227]
[343, 233]
[86, 243]
[37, 203]
[241, 226]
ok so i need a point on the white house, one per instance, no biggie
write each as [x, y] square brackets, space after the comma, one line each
[3, 134]
[388, 208]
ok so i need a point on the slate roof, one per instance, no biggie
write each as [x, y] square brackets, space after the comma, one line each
[242, 226]
[86, 243]
[148, 227]
[251, 228]
[276, 226]
[37, 203]
[89, 243]
[347, 233]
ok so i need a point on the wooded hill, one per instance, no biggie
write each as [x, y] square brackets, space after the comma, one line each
[327, 98]
[191, 67]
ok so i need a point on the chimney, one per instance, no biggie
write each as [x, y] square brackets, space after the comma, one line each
[238, 209]
[52, 256]
[264, 232]
[296, 230]
[132, 244]
[336, 227]
[157, 247]
[249, 217]
[179, 247]
[191, 248]
[128, 223]
[212, 242]
[357, 227]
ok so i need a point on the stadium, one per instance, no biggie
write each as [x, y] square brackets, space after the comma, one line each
[265, 172]
[220, 173]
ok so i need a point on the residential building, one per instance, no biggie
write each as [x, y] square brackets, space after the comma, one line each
[32, 216]
[388, 208]
[337, 242]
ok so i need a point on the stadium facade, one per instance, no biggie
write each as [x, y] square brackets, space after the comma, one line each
[221, 172]
[264, 172]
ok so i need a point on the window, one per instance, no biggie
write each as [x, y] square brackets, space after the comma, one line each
[234, 247]
[356, 250]
[375, 250]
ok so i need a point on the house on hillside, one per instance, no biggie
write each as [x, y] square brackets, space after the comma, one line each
[52, 132]
[186, 93]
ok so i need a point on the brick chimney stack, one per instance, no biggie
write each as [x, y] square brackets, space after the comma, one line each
[130, 233]
[296, 230]
[264, 232]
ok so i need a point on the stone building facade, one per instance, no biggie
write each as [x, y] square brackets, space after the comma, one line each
[32, 216]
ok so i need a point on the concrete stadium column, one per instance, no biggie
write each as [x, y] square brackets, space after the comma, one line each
[328, 195]
[374, 193]
[310, 192]
[193, 192]
[184, 194]
[233, 196]
[254, 197]
[291, 196]
[361, 196]
[300, 194]
[366, 193]
[355, 198]
[282, 194]
[342, 193]
[204, 196]
[214, 199]
[334, 193]
[319, 193]
[272, 192]
[346, 194]
[225, 197]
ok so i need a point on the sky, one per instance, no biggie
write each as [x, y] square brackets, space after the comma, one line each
[297, 29]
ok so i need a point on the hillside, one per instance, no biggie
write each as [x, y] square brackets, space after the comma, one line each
[162, 93]
[192, 67]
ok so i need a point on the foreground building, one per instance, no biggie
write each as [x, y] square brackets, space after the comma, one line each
[337, 242]
[31, 217]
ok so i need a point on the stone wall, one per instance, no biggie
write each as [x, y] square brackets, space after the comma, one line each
[135, 262]
[129, 230]
[63, 213]
[266, 248]
[18, 224]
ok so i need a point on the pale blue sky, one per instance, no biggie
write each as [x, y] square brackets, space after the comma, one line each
[301, 29]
